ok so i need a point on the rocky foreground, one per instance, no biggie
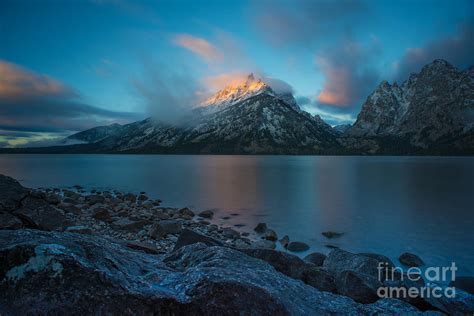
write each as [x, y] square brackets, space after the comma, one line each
[76, 252]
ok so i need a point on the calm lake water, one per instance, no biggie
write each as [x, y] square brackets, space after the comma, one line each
[387, 205]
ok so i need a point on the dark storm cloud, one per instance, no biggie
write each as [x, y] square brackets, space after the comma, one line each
[458, 49]
[37, 103]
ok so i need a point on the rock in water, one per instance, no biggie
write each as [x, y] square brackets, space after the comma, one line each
[271, 235]
[297, 246]
[261, 228]
[410, 260]
[206, 214]
[331, 234]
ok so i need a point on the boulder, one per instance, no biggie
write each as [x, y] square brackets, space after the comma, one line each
[260, 228]
[186, 212]
[142, 197]
[130, 226]
[53, 198]
[37, 213]
[102, 214]
[90, 275]
[95, 199]
[165, 227]
[263, 244]
[410, 260]
[70, 208]
[285, 263]
[8, 221]
[339, 260]
[11, 193]
[146, 247]
[465, 283]
[271, 235]
[206, 214]
[297, 246]
[331, 234]
[360, 287]
[461, 304]
[230, 233]
[130, 197]
[315, 258]
[284, 241]
[319, 278]
[189, 237]
[71, 195]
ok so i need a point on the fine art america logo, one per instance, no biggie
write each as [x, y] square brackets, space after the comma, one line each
[416, 283]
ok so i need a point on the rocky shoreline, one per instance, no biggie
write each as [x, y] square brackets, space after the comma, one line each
[72, 251]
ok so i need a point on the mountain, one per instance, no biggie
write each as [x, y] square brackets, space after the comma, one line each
[95, 134]
[432, 111]
[247, 118]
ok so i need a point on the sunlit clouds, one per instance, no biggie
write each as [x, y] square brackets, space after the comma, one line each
[199, 46]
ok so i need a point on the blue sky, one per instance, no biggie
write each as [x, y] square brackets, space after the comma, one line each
[70, 65]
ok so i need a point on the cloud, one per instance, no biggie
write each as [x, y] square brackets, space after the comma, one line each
[200, 47]
[332, 115]
[457, 48]
[349, 72]
[305, 21]
[168, 92]
[31, 102]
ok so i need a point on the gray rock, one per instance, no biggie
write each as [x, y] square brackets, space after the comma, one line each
[142, 246]
[297, 246]
[52, 198]
[130, 226]
[189, 237]
[461, 304]
[315, 258]
[271, 235]
[73, 196]
[284, 241]
[142, 197]
[285, 263]
[331, 234]
[95, 199]
[360, 287]
[37, 213]
[165, 227]
[465, 283]
[79, 230]
[339, 260]
[8, 221]
[70, 208]
[230, 233]
[263, 244]
[90, 275]
[130, 197]
[11, 193]
[186, 212]
[319, 278]
[101, 214]
[410, 260]
[207, 214]
[261, 228]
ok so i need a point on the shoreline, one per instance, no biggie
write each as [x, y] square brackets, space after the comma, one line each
[139, 224]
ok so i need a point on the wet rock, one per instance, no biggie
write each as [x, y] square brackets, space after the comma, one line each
[331, 234]
[52, 198]
[165, 227]
[189, 237]
[230, 233]
[360, 287]
[71, 195]
[11, 193]
[101, 214]
[8, 221]
[261, 228]
[315, 258]
[285, 263]
[264, 244]
[271, 235]
[465, 283]
[130, 226]
[461, 304]
[207, 214]
[37, 213]
[284, 241]
[319, 278]
[130, 197]
[339, 260]
[410, 260]
[142, 197]
[79, 230]
[95, 199]
[389, 306]
[297, 246]
[186, 212]
[70, 208]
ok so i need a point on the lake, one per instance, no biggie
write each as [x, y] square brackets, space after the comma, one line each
[388, 205]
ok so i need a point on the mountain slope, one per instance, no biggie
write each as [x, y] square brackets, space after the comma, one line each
[433, 109]
[95, 134]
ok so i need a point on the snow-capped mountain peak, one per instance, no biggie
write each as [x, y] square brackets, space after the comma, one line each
[238, 92]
